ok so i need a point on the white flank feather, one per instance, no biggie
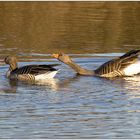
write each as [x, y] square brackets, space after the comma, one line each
[132, 69]
[47, 75]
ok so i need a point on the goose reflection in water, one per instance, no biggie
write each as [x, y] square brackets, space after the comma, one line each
[11, 88]
[132, 84]
[53, 84]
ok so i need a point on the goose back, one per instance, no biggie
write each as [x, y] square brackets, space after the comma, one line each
[116, 67]
[30, 72]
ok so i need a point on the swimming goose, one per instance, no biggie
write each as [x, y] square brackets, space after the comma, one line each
[29, 72]
[125, 65]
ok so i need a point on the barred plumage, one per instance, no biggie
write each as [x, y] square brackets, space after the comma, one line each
[29, 72]
[115, 67]
[126, 65]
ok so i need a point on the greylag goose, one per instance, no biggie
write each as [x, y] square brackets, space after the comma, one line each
[125, 65]
[29, 72]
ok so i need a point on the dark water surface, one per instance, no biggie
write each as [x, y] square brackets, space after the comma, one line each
[69, 106]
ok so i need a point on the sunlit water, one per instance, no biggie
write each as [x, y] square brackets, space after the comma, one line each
[69, 106]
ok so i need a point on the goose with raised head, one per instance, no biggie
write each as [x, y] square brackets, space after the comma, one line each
[29, 72]
[125, 65]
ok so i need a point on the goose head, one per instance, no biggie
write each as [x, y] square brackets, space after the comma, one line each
[62, 57]
[12, 61]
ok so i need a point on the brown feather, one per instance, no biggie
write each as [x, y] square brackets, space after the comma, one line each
[117, 65]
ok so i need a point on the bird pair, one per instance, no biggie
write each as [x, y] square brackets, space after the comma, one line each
[125, 65]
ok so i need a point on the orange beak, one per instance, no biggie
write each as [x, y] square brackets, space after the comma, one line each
[55, 55]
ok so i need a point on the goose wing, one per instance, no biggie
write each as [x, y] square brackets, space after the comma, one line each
[115, 67]
[35, 69]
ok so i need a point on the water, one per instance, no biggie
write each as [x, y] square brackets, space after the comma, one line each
[69, 106]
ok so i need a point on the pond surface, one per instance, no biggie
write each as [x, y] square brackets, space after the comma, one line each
[69, 106]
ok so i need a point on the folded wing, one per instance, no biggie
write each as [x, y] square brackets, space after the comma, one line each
[116, 66]
[35, 69]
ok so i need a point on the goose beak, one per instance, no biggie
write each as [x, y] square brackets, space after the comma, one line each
[55, 55]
